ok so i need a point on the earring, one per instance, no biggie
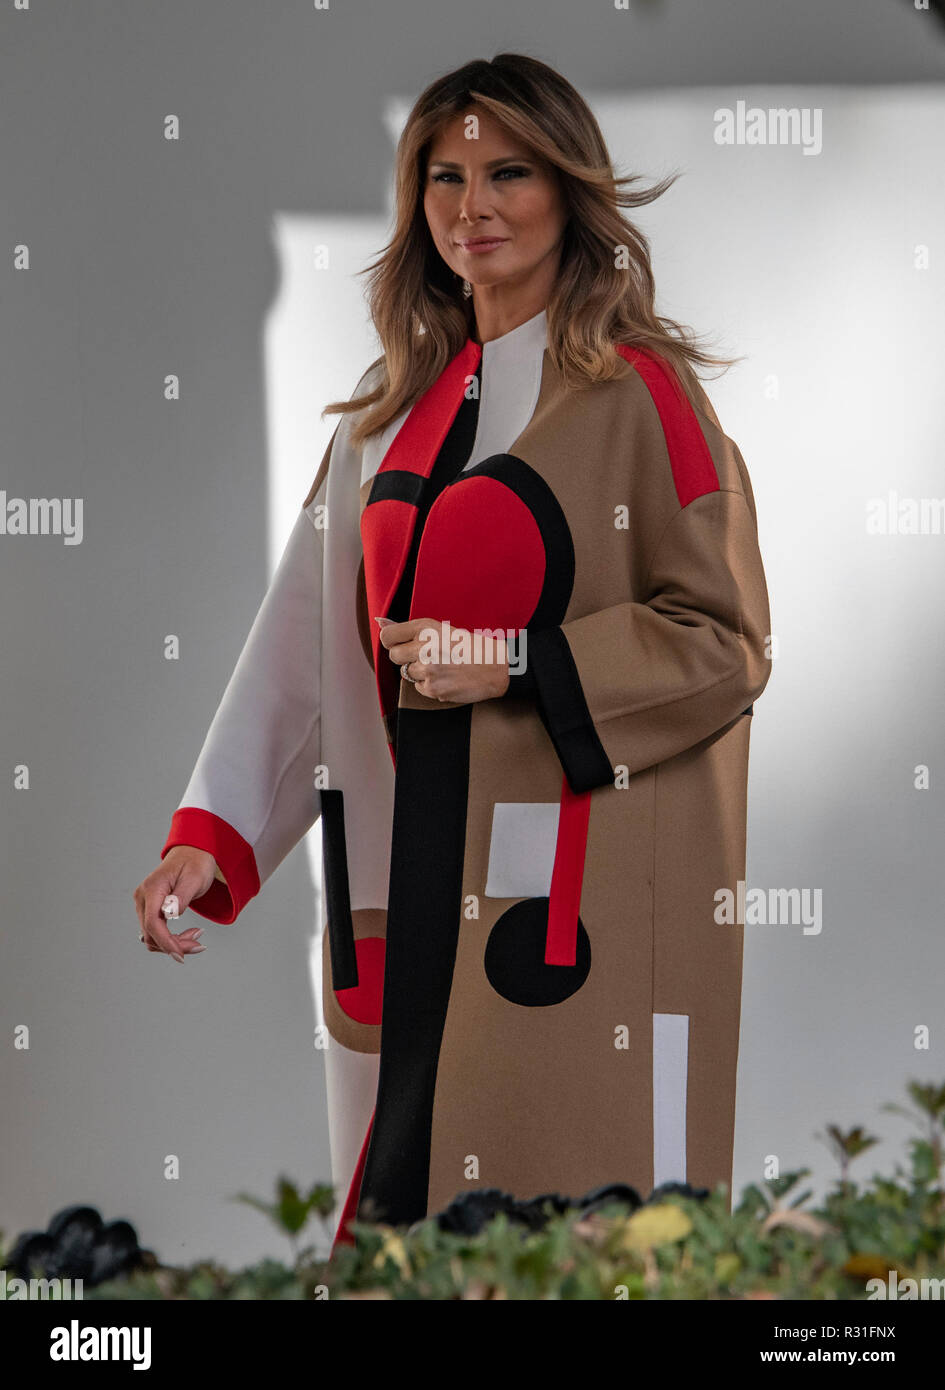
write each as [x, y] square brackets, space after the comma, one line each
[467, 289]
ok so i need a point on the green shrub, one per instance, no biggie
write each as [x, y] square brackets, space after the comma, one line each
[773, 1244]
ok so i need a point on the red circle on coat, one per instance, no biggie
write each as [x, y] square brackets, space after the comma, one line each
[481, 559]
[363, 1001]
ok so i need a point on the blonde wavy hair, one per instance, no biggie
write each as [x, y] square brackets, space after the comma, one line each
[416, 301]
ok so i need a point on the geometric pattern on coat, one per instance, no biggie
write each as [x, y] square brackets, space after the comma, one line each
[648, 652]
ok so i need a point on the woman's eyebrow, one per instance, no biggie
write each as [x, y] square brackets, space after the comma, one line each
[491, 164]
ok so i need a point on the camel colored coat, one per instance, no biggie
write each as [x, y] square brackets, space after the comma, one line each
[525, 982]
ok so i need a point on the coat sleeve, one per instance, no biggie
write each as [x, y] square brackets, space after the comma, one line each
[251, 796]
[637, 683]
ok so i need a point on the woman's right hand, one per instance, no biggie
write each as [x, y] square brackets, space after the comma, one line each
[186, 873]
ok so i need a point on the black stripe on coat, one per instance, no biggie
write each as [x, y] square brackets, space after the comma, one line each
[397, 484]
[423, 915]
[344, 962]
[564, 711]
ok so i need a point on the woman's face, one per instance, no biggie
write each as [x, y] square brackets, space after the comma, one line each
[494, 193]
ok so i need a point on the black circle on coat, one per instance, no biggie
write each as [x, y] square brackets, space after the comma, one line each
[515, 958]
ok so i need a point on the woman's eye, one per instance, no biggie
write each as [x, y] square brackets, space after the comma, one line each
[514, 170]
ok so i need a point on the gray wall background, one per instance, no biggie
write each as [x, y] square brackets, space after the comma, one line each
[149, 258]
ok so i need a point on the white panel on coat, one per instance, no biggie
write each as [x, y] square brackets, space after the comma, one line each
[522, 849]
[511, 381]
[670, 1073]
[374, 449]
[351, 1082]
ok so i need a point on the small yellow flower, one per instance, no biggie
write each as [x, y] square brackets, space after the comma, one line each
[392, 1249]
[656, 1225]
[727, 1266]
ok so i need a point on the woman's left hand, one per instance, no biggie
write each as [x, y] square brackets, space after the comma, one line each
[476, 665]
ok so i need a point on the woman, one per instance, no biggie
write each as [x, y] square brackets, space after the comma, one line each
[529, 822]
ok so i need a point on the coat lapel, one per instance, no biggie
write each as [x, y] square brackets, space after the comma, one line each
[389, 516]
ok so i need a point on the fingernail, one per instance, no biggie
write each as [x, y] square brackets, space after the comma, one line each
[197, 949]
[177, 957]
[197, 932]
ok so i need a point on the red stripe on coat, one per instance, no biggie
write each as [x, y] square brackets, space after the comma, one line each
[343, 1236]
[567, 876]
[694, 471]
